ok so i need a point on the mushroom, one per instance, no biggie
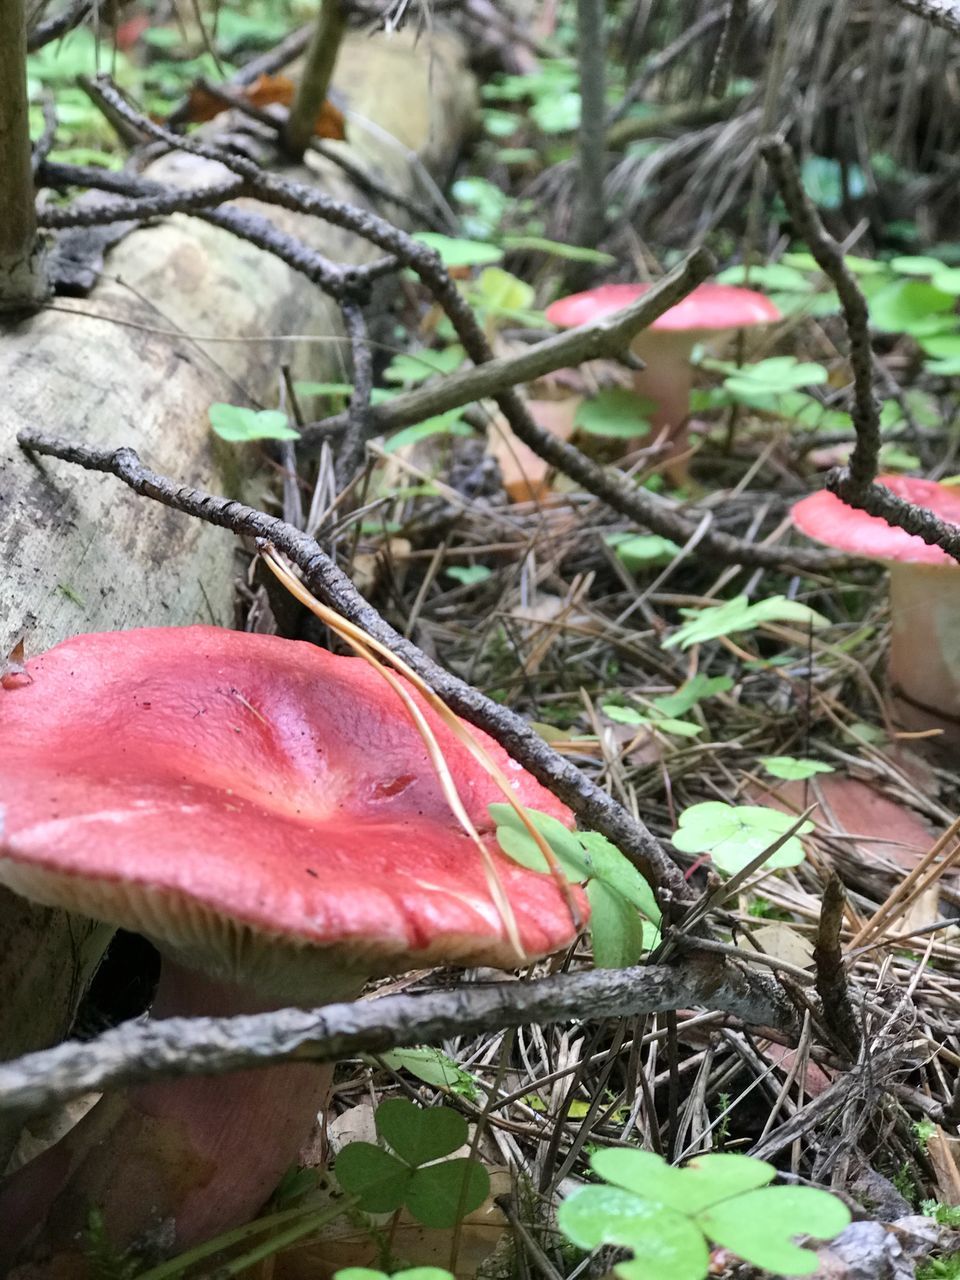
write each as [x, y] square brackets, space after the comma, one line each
[924, 664]
[267, 814]
[665, 347]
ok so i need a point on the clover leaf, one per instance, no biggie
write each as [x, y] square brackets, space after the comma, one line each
[794, 770]
[734, 835]
[437, 1192]
[238, 424]
[669, 1216]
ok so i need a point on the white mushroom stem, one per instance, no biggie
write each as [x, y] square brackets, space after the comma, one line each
[925, 646]
[667, 381]
[177, 1162]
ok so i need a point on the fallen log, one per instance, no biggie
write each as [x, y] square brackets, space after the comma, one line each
[185, 315]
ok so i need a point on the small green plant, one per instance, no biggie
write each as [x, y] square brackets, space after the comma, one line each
[413, 1173]
[615, 413]
[946, 1215]
[739, 615]
[946, 1268]
[792, 769]
[240, 425]
[433, 1067]
[734, 835]
[669, 1217]
[624, 916]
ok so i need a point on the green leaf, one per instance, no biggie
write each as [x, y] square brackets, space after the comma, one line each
[432, 1066]
[518, 844]
[450, 423]
[559, 113]
[441, 1195]
[907, 306]
[739, 615]
[605, 862]
[616, 412]
[770, 377]
[455, 252]
[470, 574]
[947, 280]
[734, 835]
[692, 692]
[413, 367]
[705, 1181]
[642, 550]
[569, 252]
[759, 1225]
[418, 1134]
[379, 1179]
[772, 277]
[412, 1273]
[341, 391]
[239, 425]
[616, 930]
[622, 715]
[667, 1244]
[915, 264]
[500, 292]
[794, 770]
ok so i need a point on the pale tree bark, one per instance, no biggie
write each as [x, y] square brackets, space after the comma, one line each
[23, 285]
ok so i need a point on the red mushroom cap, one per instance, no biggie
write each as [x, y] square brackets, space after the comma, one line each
[710, 308]
[826, 518]
[244, 800]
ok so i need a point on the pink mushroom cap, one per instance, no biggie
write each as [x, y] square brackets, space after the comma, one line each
[824, 517]
[710, 308]
[251, 802]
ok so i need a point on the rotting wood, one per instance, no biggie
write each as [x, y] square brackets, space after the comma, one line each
[133, 363]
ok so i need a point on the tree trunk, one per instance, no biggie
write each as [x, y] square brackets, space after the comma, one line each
[185, 315]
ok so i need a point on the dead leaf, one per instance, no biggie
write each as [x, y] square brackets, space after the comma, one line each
[267, 91]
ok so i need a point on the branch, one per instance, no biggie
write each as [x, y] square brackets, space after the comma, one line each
[944, 14]
[330, 25]
[58, 26]
[854, 483]
[608, 337]
[134, 1053]
[593, 806]
[591, 160]
[621, 494]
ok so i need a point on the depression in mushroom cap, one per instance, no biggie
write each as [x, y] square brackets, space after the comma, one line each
[215, 789]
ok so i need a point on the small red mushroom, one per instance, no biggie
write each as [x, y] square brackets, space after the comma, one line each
[665, 347]
[924, 662]
[267, 814]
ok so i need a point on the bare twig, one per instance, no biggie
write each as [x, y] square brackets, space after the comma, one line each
[134, 1053]
[592, 159]
[621, 494]
[315, 77]
[594, 807]
[854, 483]
[147, 199]
[665, 58]
[734, 21]
[944, 14]
[358, 430]
[58, 25]
[832, 987]
[23, 284]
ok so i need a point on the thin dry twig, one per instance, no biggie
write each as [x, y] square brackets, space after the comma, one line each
[854, 484]
[134, 1053]
[594, 807]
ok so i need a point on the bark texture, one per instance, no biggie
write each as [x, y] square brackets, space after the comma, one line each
[185, 315]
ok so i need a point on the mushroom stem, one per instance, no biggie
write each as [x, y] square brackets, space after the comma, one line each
[176, 1162]
[925, 647]
[667, 381]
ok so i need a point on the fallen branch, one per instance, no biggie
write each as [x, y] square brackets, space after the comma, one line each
[618, 492]
[134, 1053]
[592, 805]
